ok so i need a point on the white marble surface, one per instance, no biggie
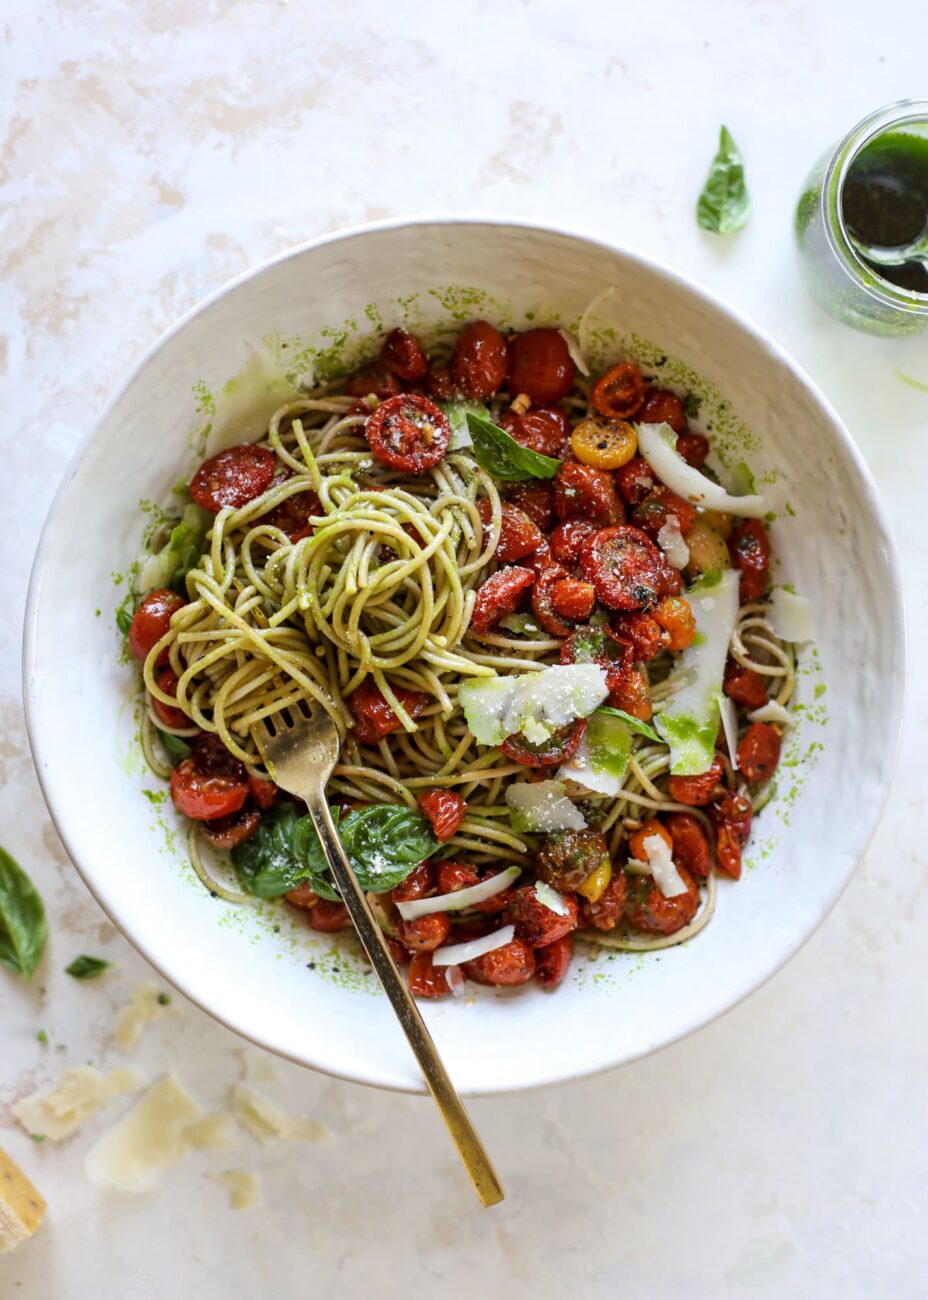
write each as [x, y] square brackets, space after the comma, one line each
[150, 151]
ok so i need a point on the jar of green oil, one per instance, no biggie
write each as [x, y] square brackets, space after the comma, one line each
[870, 192]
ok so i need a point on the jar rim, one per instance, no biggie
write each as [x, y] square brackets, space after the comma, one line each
[875, 124]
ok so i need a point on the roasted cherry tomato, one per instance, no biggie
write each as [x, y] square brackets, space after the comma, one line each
[544, 429]
[499, 596]
[265, 793]
[647, 909]
[210, 783]
[750, 552]
[632, 694]
[173, 719]
[478, 361]
[498, 902]
[292, 515]
[375, 379]
[675, 615]
[518, 537]
[568, 858]
[694, 448]
[637, 843]
[607, 911]
[540, 560]
[425, 933]
[728, 850]
[329, 917]
[452, 876]
[636, 480]
[408, 433]
[663, 507]
[690, 845]
[426, 980]
[697, 791]
[619, 393]
[536, 499]
[540, 366]
[604, 443]
[548, 576]
[581, 492]
[642, 633]
[591, 645]
[552, 961]
[418, 884]
[440, 384]
[736, 810]
[304, 896]
[560, 746]
[150, 622]
[514, 963]
[233, 477]
[572, 599]
[624, 566]
[445, 810]
[661, 406]
[744, 686]
[403, 356]
[671, 583]
[537, 923]
[759, 752]
[229, 832]
[568, 538]
[374, 718]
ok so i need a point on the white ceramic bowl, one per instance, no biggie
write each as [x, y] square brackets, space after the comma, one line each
[834, 546]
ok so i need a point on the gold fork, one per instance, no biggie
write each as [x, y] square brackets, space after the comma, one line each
[300, 749]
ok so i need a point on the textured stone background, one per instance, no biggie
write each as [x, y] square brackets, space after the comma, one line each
[151, 150]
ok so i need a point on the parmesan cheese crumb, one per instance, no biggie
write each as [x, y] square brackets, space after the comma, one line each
[245, 1187]
[149, 1140]
[147, 1003]
[212, 1133]
[265, 1120]
[57, 1112]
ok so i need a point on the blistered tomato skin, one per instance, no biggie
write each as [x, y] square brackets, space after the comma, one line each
[510, 965]
[661, 406]
[750, 553]
[568, 538]
[697, 791]
[292, 515]
[426, 980]
[374, 718]
[632, 694]
[403, 356]
[690, 845]
[552, 962]
[573, 599]
[230, 832]
[647, 909]
[478, 361]
[624, 566]
[537, 923]
[518, 537]
[328, 917]
[173, 719]
[544, 429]
[635, 480]
[418, 884]
[619, 393]
[499, 596]
[151, 621]
[445, 810]
[210, 783]
[425, 933]
[537, 500]
[233, 477]
[582, 492]
[568, 858]
[560, 746]
[744, 686]
[304, 896]
[452, 876]
[375, 379]
[264, 793]
[759, 752]
[540, 366]
[547, 579]
[609, 908]
[694, 448]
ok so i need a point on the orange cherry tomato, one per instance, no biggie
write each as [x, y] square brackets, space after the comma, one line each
[619, 393]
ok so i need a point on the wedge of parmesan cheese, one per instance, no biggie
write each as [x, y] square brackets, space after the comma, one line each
[149, 1140]
[265, 1120]
[55, 1113]
[245, 1187]
[22, 1206]
[147, 1004]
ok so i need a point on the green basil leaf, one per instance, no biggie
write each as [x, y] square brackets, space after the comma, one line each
[503, 457]
[691, 405]
[175, 747]
[23, 928]
[724, 203]
[273, 862]
[384, 842]
[124, 612]
[633, 724]
[457, 413]
[87, 968]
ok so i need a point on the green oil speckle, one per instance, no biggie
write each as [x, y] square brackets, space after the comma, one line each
[465, 304]
[912, 383]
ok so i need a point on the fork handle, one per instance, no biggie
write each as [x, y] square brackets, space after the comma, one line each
[463, 1133]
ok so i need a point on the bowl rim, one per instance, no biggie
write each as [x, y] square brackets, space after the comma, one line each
[770, 347]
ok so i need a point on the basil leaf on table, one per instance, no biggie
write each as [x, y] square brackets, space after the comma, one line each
[503, 457]
[23, 928]
[383, 843]
[87, 968]
[633, 724]
[724, 203]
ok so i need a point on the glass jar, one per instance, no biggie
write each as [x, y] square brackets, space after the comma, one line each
[833, 271]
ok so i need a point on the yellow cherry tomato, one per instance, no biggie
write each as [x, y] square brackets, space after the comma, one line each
[604, 443]
[596, 882]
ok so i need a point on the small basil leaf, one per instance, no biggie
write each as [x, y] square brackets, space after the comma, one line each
[23, 928]
[127, 607]
[271, 862]
[503, 457]
[175, 748]
[633, 724]
[724, 203]
[87, 968]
